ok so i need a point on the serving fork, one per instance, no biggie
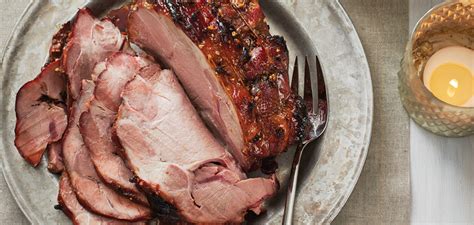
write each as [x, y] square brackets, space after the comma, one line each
[314, 93]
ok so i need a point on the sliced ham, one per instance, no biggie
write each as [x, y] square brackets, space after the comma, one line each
[234, 71]
[40, 113]
[55, 157]
[174, 48]
[91, 41]
[76, 212]
[96, 123]
[175, 157]
[91, 192]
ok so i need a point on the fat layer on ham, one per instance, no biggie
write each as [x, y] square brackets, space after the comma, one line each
[175, 157]
[91, 192]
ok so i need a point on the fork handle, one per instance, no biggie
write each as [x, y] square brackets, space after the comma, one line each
[291, 192]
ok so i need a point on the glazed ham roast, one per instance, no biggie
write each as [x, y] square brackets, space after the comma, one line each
[131, 143]
[233, 70]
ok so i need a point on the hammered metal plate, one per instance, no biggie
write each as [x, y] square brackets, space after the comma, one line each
[309, 27]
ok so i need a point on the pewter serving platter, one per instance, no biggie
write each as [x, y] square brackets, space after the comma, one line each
[309, 27]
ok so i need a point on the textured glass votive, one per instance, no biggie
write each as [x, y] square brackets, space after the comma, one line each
[448, 24]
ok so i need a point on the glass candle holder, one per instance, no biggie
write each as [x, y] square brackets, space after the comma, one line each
[448, 24]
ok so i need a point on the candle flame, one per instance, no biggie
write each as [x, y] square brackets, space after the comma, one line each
[454, 83]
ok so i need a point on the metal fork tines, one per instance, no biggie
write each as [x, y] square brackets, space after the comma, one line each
[312, 89]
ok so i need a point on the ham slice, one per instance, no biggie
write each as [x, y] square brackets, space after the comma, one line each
[55, 157]
[173, 47]
[175, 157]
[91, 192]
[40, 113]
[91, 41]
[77, 213]
[96, 123]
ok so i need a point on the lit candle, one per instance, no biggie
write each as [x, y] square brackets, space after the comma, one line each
[449, 75]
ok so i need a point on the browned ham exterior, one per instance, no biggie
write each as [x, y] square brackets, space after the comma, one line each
[55, 157]
[76, 212]
[175, 157]
[91, 192]
[96, 123]
[120, 17]
[40, 113]
[59, 42]
[233, 70]
[91, 41]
